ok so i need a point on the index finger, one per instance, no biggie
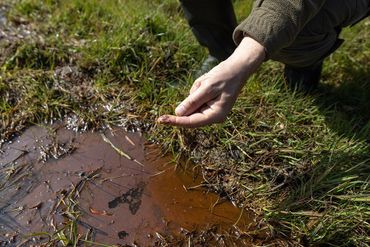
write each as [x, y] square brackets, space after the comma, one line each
[194, 101]
[193, 121]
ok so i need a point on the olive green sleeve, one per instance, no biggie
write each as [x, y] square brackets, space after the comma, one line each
[276, 23]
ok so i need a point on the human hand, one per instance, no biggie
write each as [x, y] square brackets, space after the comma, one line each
[210, 100]
[213, 95]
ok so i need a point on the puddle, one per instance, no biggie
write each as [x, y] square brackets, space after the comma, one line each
[116, 188]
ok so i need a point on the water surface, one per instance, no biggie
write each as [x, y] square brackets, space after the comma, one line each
[117, 188]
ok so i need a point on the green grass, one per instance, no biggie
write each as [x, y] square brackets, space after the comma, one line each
[302, 162]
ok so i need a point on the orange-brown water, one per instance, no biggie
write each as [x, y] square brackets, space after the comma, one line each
[120, 200]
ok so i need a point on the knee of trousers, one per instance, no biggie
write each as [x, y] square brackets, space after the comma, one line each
[319, 38]
[308, 50]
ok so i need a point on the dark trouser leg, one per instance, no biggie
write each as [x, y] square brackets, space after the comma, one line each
[318, 39]
[308, 49]
[212, 22]
[304, 72]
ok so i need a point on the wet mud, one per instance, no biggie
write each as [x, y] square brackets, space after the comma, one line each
[116, 188]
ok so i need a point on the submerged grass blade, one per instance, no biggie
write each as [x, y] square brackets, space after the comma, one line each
[120, 152]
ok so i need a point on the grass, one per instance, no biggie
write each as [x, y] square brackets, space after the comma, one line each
[301, 162]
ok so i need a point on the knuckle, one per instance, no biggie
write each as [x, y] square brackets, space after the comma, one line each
[200, 79]
[195, 86]
[197, 81]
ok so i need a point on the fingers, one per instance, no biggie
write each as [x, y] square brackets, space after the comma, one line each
[193, 121]
[207, 115]
[195, 100]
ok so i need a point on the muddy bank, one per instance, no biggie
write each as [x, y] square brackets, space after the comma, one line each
[110, 188]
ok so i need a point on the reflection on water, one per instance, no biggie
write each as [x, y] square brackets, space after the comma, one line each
[99, 185]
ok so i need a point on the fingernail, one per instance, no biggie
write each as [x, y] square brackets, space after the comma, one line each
[180, 110]
[163, 119]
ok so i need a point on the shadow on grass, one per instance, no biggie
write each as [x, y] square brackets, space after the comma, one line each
[329, 203]
[346, 107]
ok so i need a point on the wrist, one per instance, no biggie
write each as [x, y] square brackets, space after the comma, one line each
[247, 57]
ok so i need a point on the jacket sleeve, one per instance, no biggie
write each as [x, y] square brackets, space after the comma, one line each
[276, 23]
